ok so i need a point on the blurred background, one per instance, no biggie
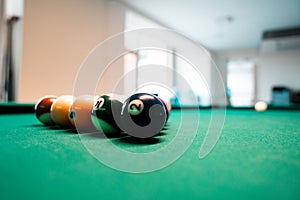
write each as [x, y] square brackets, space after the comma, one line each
[254, 44]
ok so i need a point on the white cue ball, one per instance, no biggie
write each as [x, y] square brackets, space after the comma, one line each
[261, 106]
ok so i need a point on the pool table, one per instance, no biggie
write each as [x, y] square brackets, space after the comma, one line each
[256, 157]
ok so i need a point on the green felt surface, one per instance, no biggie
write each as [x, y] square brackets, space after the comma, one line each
[256, 157]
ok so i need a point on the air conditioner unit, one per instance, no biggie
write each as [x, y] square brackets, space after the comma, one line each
[280, 40]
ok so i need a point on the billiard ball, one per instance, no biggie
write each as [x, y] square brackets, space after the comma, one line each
[106, 114]
[60, 110]
[260, 106]
[167, 106]
[143, 115]
[42, 109]
[80, 113]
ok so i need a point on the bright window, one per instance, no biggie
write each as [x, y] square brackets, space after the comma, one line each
[241, 82]
[163, 72]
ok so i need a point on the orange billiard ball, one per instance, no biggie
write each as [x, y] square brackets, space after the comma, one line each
[60, 110]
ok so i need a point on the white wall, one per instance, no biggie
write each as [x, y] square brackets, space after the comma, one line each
[110, 81]
[280, 68]
[57, 37]
[218, 79]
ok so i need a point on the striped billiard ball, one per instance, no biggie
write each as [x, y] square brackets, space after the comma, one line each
[106, 114]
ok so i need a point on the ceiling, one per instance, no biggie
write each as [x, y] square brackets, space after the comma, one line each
[222, 25]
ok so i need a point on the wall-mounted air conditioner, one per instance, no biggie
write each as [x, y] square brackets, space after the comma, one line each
[280, 40]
